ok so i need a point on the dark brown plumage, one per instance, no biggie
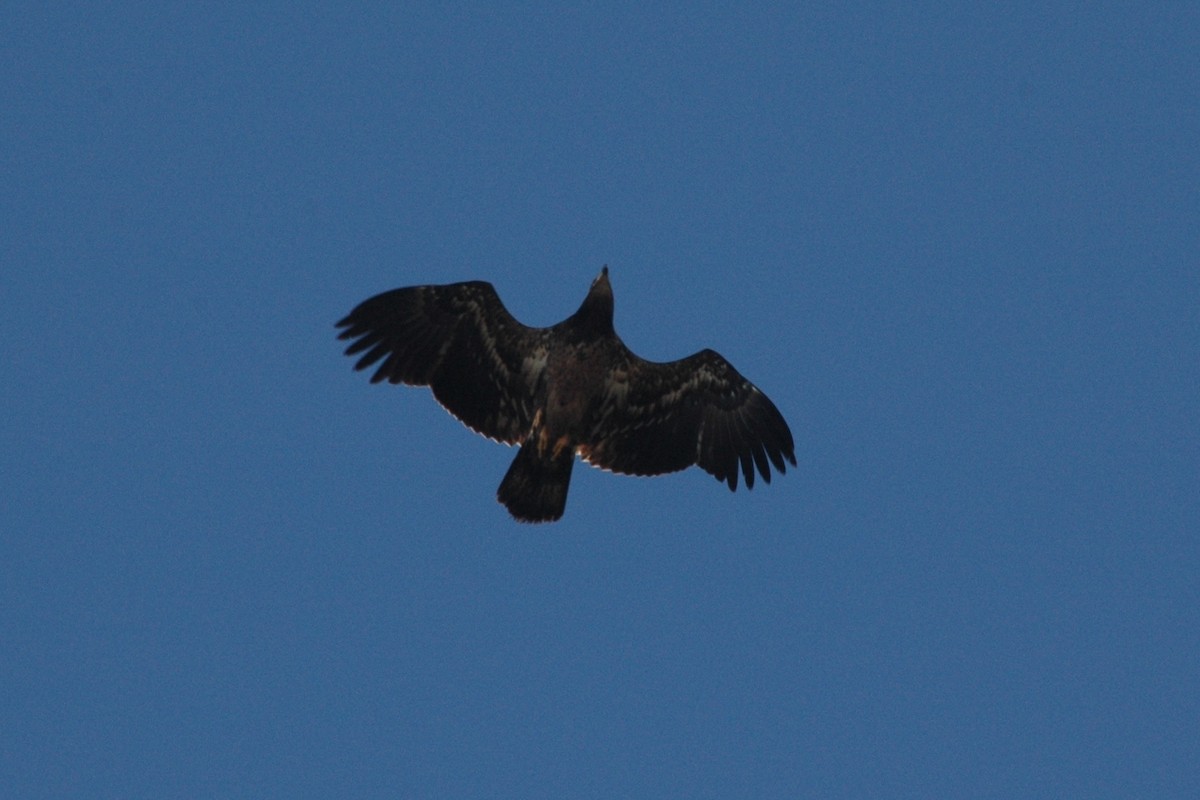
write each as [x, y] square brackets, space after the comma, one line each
[570, 388]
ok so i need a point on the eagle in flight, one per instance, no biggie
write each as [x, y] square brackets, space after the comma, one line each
[571, 388]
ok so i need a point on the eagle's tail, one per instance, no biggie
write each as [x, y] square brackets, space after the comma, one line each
[535, 487]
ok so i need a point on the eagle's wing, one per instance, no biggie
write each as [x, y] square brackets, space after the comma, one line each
[663, 417]
[459, 340]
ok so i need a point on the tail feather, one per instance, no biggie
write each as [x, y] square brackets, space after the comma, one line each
[535, 489]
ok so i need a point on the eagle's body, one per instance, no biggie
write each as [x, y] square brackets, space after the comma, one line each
[570, 388]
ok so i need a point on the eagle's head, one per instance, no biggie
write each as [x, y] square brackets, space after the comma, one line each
[601, 282]
[596, 313]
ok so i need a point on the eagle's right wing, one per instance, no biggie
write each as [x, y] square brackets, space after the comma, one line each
[459, 340]
[663, 417]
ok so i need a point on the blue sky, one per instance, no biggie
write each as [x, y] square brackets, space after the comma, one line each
[957, 244]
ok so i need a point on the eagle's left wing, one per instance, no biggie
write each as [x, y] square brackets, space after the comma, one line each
[458, 339]
[663, 417]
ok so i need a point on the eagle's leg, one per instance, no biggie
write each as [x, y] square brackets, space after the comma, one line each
[535, 487]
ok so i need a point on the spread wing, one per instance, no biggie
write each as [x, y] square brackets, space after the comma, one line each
[459, 340]
[658, 418]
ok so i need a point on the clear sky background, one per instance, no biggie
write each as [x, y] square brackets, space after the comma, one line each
[958, 245]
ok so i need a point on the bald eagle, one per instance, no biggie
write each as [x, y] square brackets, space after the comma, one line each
[571, 388]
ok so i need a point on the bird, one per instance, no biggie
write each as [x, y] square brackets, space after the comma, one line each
[569, 389]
